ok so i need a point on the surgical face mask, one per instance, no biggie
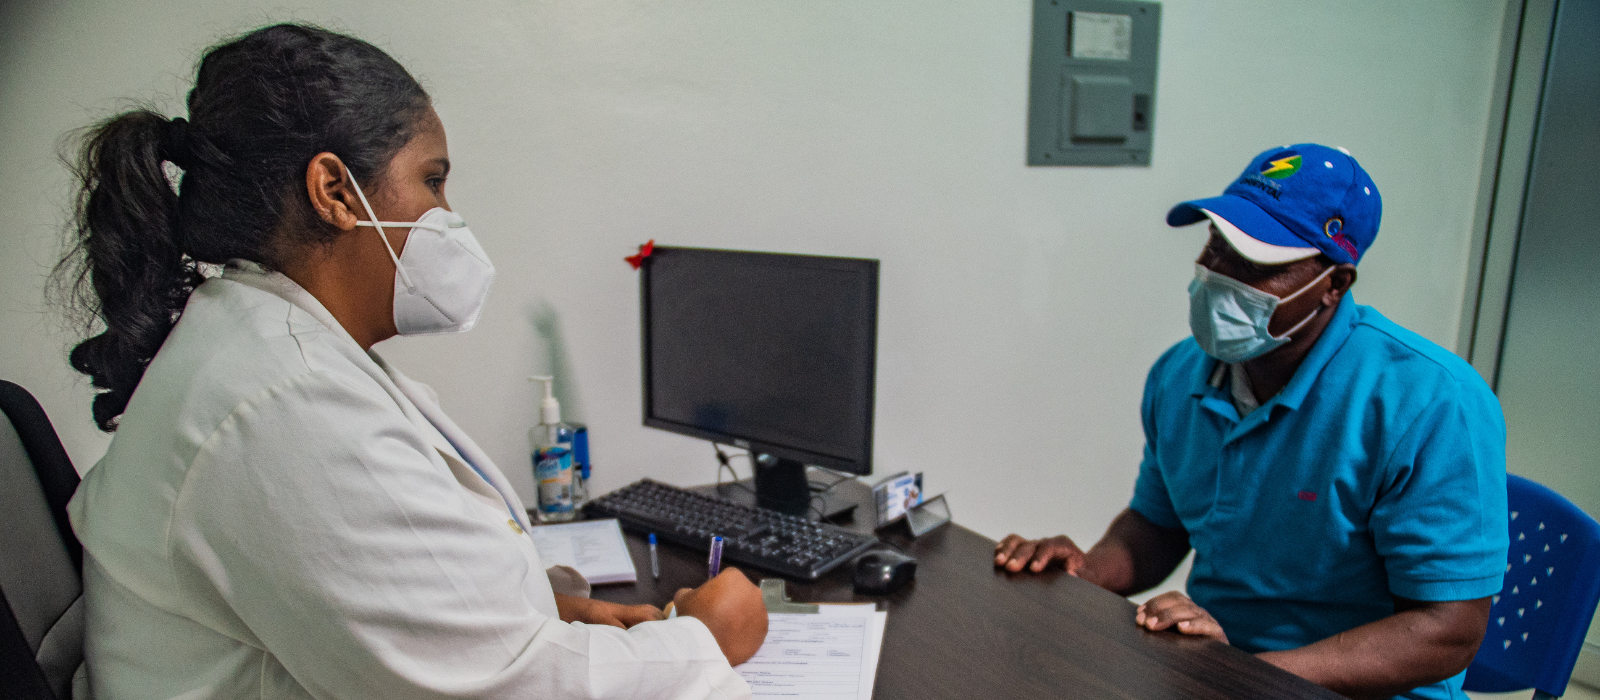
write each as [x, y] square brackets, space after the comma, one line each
[1229, 318]
[441, 279]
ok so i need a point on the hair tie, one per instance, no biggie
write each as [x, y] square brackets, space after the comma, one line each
[175, 143]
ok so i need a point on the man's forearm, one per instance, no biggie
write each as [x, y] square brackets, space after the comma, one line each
[1109, 565]
[1411, 648]
[1134, 556]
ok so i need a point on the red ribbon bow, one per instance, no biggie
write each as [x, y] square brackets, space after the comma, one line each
[645, 251]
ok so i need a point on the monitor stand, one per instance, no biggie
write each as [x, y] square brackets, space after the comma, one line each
[781, 485]
[835, 501]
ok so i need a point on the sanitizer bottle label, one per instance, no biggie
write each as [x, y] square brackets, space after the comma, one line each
[552, 469]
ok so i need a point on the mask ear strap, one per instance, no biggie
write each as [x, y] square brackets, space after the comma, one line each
[1318, 310]
[1301, 290]
[1301, 324]
[410, 288]
[412, 224]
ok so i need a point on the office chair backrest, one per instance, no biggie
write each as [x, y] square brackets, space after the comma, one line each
[41, 562]
[1539, 619]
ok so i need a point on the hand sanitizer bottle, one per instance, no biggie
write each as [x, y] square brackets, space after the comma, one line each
[551, 441]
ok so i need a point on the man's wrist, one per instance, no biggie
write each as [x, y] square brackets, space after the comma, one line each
[1110, 570]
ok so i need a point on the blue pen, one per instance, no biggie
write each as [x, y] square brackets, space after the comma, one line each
[655, 563]
[714, 564]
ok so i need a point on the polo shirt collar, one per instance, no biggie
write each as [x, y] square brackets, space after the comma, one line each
[1333, 337]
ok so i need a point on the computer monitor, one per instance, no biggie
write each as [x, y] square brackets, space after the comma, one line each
[769, 352]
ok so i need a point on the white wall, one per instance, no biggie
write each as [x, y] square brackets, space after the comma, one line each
[1020, 307]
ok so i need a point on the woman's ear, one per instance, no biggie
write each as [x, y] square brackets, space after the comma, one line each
[332, 197]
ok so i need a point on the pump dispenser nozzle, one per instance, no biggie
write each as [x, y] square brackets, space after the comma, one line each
[549, 408]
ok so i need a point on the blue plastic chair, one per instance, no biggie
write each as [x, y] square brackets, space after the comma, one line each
[1540, 617]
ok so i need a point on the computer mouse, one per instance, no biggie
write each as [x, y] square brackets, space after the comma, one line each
[883, 571]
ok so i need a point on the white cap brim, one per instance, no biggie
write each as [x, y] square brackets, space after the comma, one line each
[1254, 250]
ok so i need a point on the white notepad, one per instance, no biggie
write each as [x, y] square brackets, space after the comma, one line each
[593, 547]
[828, 655]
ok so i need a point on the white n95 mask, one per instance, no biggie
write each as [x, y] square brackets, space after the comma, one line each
[1229, 318]
[442, 276]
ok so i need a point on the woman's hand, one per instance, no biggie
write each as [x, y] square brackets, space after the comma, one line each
[599, 612]
[1174, 610]
[731, 607]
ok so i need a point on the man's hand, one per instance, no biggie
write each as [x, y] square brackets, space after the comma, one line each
[1014, 553]
[1134, 555]
[599, 612]
[1174, 610]
[731, 607]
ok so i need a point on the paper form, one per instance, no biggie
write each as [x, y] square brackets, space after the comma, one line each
[830, 655]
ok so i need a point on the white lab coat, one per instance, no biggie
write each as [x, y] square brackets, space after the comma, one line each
[282, 515]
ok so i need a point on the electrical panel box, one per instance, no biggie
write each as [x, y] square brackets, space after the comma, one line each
[1092, 88]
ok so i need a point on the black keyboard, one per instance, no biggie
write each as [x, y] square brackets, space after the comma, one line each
[766, 539]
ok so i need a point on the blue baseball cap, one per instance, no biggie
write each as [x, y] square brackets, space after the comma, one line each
[1292, 203]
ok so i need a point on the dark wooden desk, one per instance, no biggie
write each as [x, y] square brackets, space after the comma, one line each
[965, 630]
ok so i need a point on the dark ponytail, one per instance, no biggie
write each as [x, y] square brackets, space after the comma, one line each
[262, 106]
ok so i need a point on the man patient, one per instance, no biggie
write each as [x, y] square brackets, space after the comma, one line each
[1340, 479]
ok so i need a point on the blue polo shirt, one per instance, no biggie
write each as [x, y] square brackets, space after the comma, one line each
[1378, 471]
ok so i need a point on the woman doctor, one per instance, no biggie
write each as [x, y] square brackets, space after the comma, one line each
[281, 514]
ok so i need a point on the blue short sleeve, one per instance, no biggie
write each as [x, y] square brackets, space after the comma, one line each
[1440, 520]
[1150, 496]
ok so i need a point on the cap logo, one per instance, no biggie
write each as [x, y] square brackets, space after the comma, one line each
[1287, 163]
[1334, 228]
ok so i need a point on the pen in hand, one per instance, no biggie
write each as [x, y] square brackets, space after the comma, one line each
[714, 563]
[655, 562]
[713, 566]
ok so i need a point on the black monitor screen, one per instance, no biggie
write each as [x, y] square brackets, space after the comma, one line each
[770, 352]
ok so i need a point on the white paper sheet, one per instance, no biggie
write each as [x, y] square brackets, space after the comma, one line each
[593, 547]
[830, 655]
